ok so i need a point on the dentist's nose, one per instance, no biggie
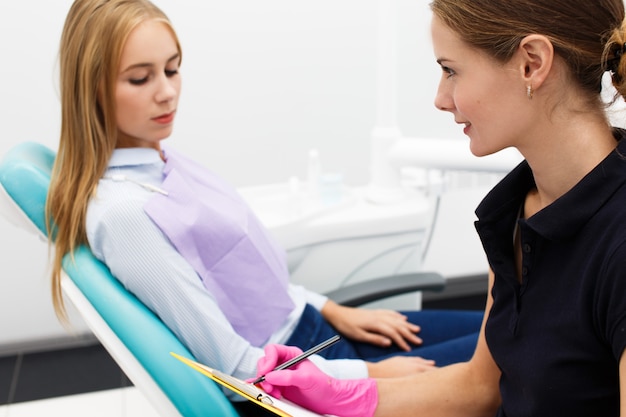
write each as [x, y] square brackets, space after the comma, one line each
[443, 99]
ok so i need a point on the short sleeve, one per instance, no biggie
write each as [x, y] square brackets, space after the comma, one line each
[611, 307]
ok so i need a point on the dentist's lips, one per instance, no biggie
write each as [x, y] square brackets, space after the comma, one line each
[165, 118]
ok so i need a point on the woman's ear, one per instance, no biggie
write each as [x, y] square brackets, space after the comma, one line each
[536, 58]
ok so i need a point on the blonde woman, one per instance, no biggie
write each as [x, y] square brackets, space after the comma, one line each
[178, 236]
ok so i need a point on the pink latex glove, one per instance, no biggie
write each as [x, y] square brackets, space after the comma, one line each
[305, 384]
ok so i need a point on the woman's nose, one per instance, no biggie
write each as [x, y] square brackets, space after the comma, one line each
[443, 99]
[167, 89]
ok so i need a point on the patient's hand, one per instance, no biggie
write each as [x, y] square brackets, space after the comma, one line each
[399, 366]
[378, 327]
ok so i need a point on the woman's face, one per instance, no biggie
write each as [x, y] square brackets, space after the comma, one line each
[482, 94]
[148, 86]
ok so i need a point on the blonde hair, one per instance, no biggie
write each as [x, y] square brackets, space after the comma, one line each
[93, 37]
[578, 29]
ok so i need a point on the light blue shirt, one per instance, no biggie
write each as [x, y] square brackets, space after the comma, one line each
[141, 257]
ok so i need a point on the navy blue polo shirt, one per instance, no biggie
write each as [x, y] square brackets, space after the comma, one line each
[558, 335]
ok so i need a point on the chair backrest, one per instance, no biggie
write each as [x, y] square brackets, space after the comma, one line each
[136, 339]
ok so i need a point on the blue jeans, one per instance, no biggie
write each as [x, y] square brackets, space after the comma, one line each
[449, 336]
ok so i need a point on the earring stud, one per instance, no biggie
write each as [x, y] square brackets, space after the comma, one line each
[529, 92]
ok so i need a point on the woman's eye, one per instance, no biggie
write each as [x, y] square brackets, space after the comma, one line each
[448, 71]
[171, 73]
[138, 81]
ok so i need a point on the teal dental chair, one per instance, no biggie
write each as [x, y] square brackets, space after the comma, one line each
[134, 336]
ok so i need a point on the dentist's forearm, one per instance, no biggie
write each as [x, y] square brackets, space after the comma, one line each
[445, 392]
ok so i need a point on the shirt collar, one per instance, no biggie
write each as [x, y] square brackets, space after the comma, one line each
[122, 157]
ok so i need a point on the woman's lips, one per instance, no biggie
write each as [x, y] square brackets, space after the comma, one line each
[164, 118]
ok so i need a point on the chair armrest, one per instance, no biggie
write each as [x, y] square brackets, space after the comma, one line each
[377, 289]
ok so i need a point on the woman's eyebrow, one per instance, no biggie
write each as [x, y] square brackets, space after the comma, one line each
[149, 64]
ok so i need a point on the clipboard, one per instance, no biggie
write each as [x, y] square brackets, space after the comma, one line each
[250, 392]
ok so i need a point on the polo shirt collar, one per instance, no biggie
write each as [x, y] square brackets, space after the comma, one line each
[567, 215]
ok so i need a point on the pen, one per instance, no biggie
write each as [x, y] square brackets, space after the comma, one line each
[301, 357]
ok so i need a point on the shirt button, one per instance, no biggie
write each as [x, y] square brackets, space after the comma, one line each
[524, 271]
[526, 248]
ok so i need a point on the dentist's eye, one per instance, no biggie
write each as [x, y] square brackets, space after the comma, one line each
[449, 71]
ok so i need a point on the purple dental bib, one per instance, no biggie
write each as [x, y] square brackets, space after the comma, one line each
[213, 228]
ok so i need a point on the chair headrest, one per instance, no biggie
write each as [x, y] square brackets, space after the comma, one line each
[24, 180]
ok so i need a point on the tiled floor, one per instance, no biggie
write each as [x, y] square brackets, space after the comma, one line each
[35, 376]
[85, 381]
[74, 382]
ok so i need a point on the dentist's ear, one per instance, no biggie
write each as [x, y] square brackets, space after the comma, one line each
[536, 59]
